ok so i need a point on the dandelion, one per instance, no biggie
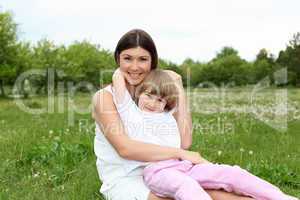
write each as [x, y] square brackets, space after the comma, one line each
[242, 150]
[51, 132]
[57, 138]
[250, 152]
[219, 153]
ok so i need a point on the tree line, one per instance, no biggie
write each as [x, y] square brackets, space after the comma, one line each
[85, 61]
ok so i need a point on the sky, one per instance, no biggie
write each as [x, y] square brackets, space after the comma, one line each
[180, 29]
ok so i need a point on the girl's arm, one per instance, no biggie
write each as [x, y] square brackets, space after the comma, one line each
[119, 85]
[106, 116]
[182, 114]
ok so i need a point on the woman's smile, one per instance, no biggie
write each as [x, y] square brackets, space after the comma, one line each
[135, 75]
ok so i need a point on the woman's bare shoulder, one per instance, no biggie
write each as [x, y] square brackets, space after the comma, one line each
[102, 101]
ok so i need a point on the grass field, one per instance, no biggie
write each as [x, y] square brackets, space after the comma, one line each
[43, 157]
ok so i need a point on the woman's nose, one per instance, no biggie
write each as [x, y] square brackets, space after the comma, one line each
[135, 65]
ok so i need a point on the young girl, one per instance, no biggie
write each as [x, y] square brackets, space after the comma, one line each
[151, 115]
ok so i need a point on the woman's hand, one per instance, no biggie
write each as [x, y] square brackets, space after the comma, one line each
[193, 157]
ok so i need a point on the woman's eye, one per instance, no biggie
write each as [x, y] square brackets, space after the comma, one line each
[126, 58]
[143, 59]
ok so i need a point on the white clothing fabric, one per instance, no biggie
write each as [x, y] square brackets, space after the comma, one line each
[118, 175]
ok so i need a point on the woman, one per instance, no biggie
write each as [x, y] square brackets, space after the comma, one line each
[136, 55]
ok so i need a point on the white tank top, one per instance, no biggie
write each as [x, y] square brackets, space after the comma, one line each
[155, 128]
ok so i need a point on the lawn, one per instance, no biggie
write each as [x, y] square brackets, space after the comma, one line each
[44, 156]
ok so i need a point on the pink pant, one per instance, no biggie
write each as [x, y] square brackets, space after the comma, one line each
[182, 180]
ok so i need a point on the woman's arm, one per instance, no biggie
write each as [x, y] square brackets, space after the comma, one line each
[106, 115]
[182, 114]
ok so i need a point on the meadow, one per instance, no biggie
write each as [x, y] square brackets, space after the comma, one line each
[50, 155]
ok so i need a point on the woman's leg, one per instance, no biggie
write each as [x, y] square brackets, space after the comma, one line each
[215, 195]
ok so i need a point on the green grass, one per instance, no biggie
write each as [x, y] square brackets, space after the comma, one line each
[41, 157]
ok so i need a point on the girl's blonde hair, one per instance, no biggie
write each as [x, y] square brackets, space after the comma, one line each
[159, 82]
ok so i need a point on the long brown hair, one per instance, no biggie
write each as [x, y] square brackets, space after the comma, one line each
[137, 38]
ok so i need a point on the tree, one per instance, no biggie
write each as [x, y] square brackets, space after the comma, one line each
[264, 66]
[226, 68]
[8, 49]
[290, 58]
[88, 62]
[191, 72]
[47, 56]
[23, 61]
[226, 51]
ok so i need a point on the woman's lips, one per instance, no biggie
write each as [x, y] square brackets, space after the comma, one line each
[134, 75]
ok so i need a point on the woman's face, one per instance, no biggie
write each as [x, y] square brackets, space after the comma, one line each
[136, 64]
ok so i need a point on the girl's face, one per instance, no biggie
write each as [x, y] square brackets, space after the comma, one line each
[136, 64]
[151, 103]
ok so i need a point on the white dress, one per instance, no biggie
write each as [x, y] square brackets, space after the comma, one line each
[122, 179]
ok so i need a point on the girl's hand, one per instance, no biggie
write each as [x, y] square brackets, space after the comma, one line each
[117, 74]
[118, 78]
[193, 157]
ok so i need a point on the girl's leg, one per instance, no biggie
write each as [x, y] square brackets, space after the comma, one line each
[175, 184]
[235, 179]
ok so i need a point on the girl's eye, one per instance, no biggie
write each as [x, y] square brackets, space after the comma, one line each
[159, 99]
[143, 59]
[127, 58]
[151, 96]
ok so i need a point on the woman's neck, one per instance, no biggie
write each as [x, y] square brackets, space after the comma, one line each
[131, 89]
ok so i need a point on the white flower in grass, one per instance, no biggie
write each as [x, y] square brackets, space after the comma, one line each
[62, 187]
[242, 150]
[219, 153]
[57, 138]
[51, 132]
[36, 175]
[250, 152]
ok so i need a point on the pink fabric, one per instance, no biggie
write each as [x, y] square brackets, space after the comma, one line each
[183, 180]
